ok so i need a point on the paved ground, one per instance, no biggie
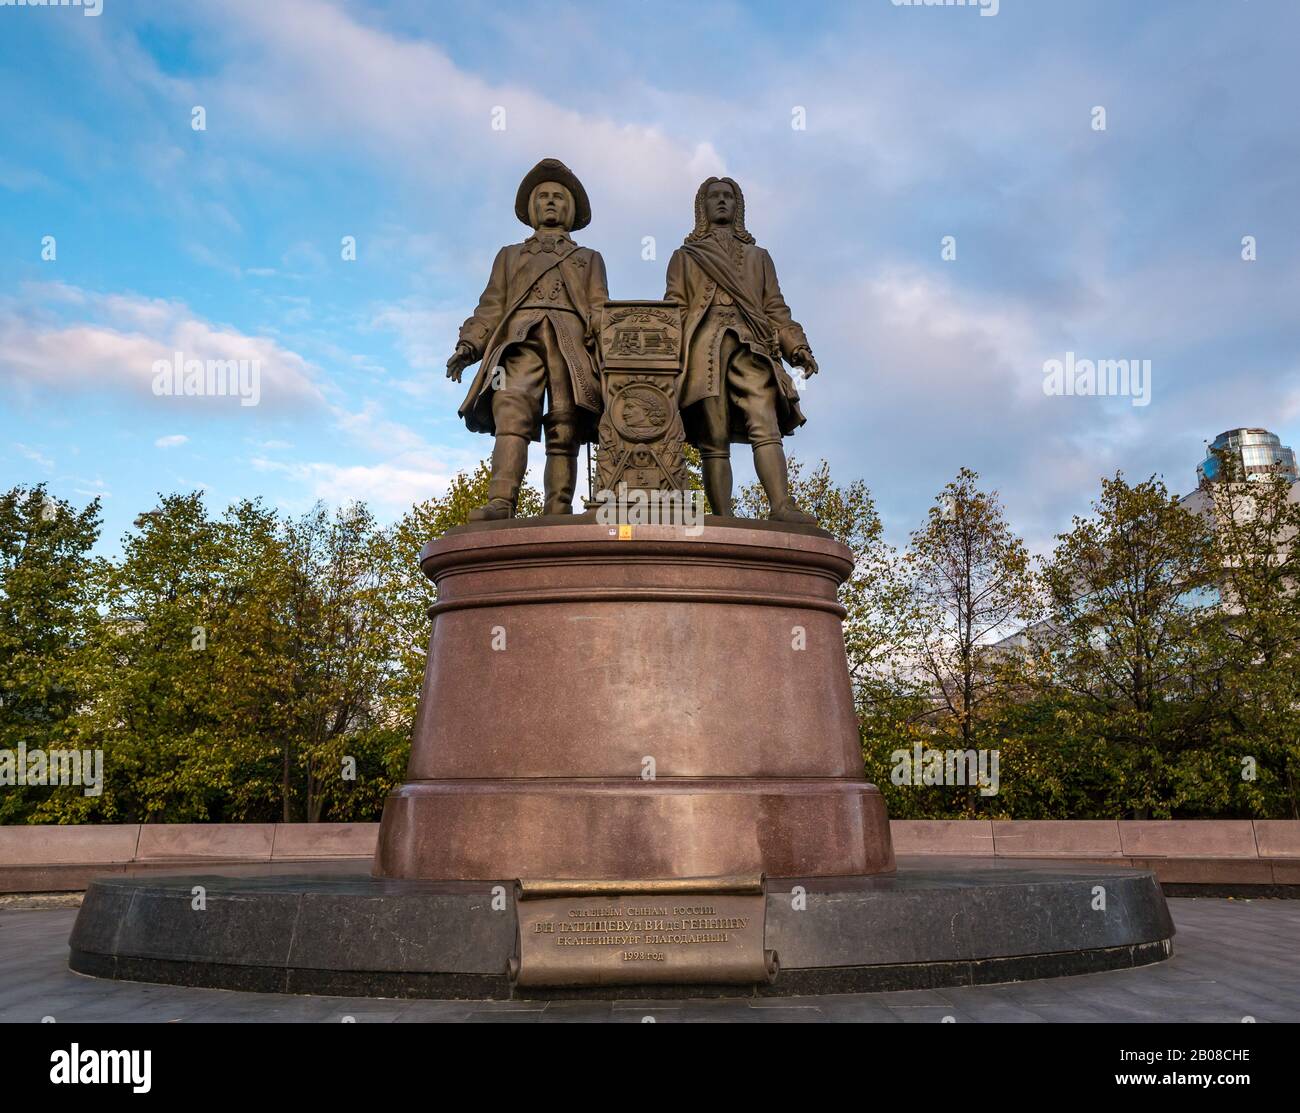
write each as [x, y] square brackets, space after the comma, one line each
[1231, 959]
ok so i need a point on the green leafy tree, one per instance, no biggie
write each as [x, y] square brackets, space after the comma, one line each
[253, 648]
[253, 667]
[1256, 536]
[972, 584]
[338, 659]
[695, 473]
[1131, 590]
[157, 716]
[48, 619]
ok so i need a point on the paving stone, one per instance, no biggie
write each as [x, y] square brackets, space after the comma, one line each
[435, 1012]
[778, 1015]
[1231, 959]
[585, 1012]
[857, 1012]
[720, 1012]
[514, 1016]
[929, 1014]
[638, 1016]
[648, 1005]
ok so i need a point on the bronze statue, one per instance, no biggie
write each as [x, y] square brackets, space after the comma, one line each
[535, 331]
[737, 329]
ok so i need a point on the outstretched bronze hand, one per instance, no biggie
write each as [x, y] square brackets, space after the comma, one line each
[803, 357]
[461, 358]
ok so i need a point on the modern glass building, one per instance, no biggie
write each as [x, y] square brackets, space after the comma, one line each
[1259, 451]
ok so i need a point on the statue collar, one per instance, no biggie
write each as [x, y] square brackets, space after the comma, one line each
[557, 242]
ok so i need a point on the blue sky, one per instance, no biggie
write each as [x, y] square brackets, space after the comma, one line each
[328, 118]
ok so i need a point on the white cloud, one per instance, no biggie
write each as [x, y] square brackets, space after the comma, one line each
[369, 428]
[115, 340]
[389, 486]
[426, 337]
[20, 178]
[403, 467]
[175, 440]
[34, 456]
[407, 103]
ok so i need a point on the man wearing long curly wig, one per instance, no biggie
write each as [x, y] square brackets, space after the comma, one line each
[738, 327]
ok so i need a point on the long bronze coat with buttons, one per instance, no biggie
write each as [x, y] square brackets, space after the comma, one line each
[523, 277]
[713, 307]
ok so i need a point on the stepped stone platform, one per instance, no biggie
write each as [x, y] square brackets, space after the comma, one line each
[935, 922]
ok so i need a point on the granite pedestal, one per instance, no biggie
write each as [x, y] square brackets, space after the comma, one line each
[635, 702]
[935, 922]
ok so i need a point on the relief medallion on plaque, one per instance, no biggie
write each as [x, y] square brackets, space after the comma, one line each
[640, 433]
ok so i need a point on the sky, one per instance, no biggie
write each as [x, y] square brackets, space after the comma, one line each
[863, 133]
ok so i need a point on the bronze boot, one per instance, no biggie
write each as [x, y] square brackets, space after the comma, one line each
[769, 462]
[717, 483]
[559, 479]
[509, 459]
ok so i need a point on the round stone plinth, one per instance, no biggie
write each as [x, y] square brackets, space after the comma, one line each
[935, 922]
[566, 829]
[635, 702]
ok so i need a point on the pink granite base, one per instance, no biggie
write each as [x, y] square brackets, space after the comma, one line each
[660, 706]
[573, 829]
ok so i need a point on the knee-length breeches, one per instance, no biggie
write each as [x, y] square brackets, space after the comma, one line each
[535, 372]
[749, 386]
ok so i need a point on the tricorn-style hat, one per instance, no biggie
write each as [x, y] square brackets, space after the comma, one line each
[553, 170]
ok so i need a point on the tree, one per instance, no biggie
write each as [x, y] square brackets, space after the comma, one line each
[1256, 538]
[48, 620]
[253, 647]
[695, 474]
[158, 716]
[1132, 600]
[339, 660]
[973, 583]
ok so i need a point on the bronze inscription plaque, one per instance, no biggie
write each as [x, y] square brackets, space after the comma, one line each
[641, 335]
[641, 436]
[604, 938]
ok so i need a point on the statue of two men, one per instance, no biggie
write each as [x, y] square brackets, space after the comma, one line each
[536, 329]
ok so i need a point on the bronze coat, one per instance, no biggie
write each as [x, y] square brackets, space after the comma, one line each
[755, 280]
[499, 321]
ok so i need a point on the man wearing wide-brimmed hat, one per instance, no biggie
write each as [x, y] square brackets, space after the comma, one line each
[534, 331]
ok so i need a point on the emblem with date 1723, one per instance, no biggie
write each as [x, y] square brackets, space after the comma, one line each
[641, 434]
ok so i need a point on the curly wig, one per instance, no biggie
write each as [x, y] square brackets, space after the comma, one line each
[702, 228]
